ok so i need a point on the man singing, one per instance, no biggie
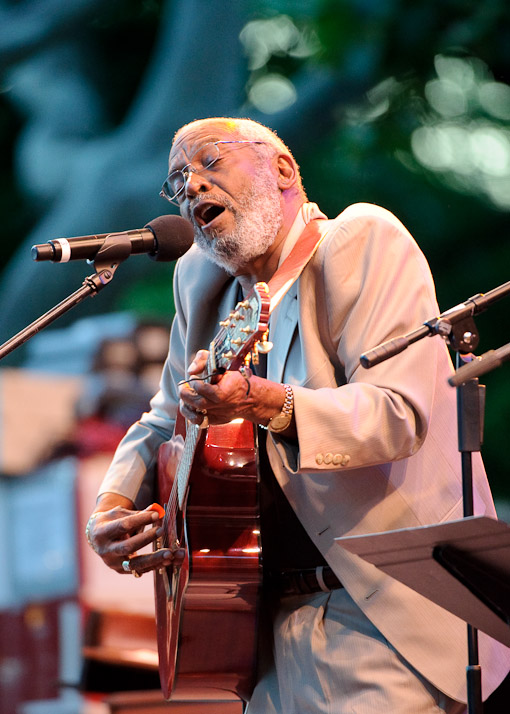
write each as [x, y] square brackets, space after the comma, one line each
[347, 451]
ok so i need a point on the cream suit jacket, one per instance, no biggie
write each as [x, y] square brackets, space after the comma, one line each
[377, 449]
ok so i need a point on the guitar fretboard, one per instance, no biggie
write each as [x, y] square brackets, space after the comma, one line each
[184, 468]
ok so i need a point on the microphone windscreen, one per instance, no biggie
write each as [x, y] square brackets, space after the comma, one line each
[174, 236]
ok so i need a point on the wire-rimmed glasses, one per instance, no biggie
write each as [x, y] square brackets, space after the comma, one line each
[204, 157]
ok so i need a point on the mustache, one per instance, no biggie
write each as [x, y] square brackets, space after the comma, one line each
[219, 200]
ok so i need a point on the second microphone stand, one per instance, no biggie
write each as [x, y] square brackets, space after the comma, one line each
[459, 329]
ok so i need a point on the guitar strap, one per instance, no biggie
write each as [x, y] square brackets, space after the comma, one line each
[292, 267]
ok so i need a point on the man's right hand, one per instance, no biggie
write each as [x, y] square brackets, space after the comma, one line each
[116, 532]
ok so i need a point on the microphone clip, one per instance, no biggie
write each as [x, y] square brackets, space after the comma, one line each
[461, 334]
[114, 251]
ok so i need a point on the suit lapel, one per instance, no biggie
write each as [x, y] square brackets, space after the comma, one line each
[283, 321]
[283, 324]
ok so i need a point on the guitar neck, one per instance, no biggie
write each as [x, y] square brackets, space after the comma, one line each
[184, 468]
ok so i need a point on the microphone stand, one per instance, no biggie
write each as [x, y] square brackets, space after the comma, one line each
[458, 328]
[470, 418]
[112, 253]
[455, 325]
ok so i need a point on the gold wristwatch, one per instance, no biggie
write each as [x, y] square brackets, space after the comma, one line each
[281, 421]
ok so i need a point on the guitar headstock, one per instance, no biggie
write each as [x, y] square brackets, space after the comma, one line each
[244, 331]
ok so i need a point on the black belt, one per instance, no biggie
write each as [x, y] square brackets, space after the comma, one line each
[303, 582]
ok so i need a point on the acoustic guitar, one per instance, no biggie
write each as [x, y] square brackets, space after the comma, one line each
[206, 605]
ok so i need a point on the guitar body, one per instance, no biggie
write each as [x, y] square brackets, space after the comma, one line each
[206, 608]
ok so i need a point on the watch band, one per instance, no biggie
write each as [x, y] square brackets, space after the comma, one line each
[281, 421]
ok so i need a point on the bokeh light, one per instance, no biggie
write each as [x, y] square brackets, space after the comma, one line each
[464, 138]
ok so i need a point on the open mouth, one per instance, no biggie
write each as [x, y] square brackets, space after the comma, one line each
[206, 212]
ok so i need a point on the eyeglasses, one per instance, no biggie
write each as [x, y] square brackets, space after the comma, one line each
[204, 157]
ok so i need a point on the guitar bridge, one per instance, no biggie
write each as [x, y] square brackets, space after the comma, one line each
[174, 546]
[169, 574]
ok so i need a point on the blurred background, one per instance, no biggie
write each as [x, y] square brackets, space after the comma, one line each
[403, 104]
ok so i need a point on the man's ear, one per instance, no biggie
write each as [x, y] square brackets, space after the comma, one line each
[287, 172]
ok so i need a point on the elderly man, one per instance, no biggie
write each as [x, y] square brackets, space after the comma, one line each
[352, 451]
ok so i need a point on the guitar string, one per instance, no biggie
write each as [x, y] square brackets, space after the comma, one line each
[181, 479]
[180, 483]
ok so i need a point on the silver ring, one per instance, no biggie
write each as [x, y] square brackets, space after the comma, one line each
[126, 566]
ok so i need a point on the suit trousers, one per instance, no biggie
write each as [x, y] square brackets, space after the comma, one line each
[323, 656]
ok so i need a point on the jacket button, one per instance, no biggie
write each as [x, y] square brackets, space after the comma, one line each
[328, 458]
[337, 459]
[319, 459]
[345, 459]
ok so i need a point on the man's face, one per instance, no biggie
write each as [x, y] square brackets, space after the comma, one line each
[234, 205]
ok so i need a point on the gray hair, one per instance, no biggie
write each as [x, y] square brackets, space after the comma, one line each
[250, 130]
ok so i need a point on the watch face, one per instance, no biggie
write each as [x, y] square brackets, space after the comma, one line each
[279, 422]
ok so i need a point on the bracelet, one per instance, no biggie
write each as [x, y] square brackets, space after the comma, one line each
[246, 373]
[87, 530]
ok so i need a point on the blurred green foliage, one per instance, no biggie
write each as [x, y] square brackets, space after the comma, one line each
[395, 50]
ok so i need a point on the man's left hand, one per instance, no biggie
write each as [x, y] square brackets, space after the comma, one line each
[228, 396]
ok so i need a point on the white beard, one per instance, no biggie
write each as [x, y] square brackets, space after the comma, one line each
[258, 218]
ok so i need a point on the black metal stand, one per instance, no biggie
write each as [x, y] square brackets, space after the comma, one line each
[113, 252]
[458, 328]
[470, 417]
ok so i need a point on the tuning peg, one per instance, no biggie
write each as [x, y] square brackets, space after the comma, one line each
[264, 346]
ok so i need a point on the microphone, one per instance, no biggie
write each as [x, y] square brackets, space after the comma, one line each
[164, 238]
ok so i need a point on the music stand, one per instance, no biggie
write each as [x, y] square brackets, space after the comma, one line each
[463, 566]
[459, 329]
